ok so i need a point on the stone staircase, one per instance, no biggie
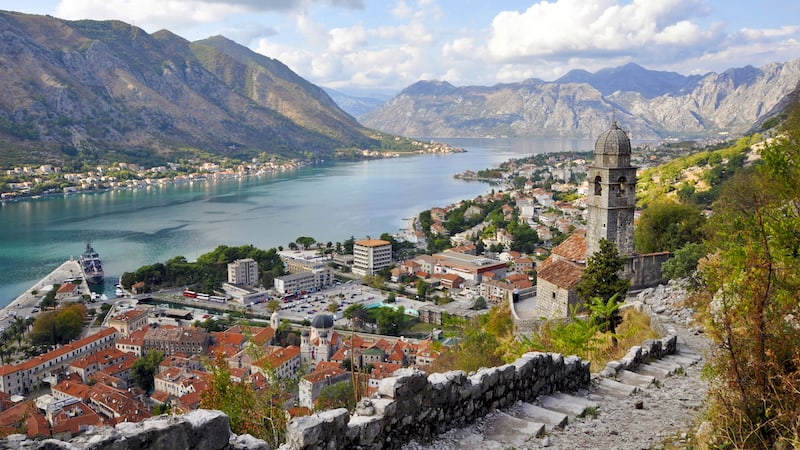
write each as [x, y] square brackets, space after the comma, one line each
[558, 416]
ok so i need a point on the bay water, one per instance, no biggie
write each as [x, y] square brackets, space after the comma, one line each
[329, 202]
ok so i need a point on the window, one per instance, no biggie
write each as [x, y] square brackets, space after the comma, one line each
[598, 188]
[623, 184]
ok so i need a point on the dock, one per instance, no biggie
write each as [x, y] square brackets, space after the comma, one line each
[27, 300]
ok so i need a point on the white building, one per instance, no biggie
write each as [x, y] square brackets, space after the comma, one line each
[370, 256]
[243, 272]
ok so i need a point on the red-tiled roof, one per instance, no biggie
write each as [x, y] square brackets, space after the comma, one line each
[561, 273]
[573, 248]
[61, 351]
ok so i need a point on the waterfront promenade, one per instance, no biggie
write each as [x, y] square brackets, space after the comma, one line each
[24, 304]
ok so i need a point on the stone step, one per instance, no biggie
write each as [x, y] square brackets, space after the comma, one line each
[635, 379]
[612, 388]
[567, 404]
[670, 367]
[696, 357]
[511, 431]
[647, 369]
[551, 419]
[683, 361]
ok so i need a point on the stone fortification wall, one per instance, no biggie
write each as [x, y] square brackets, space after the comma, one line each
[412, 405]
[649, 350]
[197, 430]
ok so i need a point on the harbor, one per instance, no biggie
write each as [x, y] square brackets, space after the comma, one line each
[27, 303]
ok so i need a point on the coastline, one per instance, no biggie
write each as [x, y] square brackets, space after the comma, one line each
[27, 300]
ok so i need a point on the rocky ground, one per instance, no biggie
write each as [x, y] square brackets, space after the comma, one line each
[658, 416]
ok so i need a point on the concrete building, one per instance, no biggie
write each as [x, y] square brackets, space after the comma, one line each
[243, 272]
[468, 267]
[370, 256]
[304, 275]
[612, 193]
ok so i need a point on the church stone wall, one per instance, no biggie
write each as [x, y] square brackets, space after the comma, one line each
[644, 271]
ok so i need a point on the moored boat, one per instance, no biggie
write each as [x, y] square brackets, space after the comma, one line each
[91, 265]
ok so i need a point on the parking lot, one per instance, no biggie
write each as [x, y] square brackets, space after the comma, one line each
[344, 295]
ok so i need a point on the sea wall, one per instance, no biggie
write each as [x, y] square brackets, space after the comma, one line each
[412, 405]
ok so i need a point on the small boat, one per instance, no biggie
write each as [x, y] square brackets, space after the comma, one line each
[119, 292]
[91, 265]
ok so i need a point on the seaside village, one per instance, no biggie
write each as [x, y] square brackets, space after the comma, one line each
[89, 381]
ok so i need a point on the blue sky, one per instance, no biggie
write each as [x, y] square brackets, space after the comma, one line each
[366, 46]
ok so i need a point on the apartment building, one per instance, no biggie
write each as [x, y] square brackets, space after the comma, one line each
[370, 256]
[243, 272]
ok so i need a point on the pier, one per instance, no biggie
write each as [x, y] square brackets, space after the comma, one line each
[24, 304]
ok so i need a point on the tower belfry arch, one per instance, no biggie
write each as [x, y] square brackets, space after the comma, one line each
[611, 199]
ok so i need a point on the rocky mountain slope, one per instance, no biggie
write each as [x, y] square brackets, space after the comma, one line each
[106, 89]
[649, 104]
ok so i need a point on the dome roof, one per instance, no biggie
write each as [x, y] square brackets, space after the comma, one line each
[322, 321]
[614, 142]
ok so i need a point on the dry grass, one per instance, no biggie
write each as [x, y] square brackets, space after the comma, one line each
[634, 330]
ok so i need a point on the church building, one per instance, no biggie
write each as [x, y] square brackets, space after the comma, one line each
[611, 203]
[320, 342]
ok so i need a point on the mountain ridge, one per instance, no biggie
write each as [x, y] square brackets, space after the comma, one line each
[107, 90]
[649, 104]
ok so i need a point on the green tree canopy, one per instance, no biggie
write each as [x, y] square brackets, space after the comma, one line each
[145, 368]
[751, 284]
[602, 275]
[338, 395]
[666, 226]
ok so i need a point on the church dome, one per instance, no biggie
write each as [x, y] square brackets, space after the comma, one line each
[322, 321]
[613, 142]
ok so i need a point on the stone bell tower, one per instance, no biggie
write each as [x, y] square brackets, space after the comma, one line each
[611, 198]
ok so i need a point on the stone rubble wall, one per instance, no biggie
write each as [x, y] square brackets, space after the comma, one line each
[197, 430]
[649, 350]
[412, 405]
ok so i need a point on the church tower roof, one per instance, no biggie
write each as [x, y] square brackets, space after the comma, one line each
[613, 142]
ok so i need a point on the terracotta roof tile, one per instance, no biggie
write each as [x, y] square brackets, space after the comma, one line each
[563, 274]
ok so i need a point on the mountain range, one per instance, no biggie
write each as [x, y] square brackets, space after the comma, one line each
[109, 90]
[649, 104]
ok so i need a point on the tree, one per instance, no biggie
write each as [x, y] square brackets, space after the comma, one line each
[272, 306]
[479, 303]
[666, 226]
[145, 368]
[391, 321]
[356, 313]
[684, 261]
[60, 326]
[332, 307]
[605, 315]
[601, 277]
[750, 291]
[337, 395]
[306, 241]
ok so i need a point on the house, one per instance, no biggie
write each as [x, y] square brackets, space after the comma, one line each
[68, 291]
[311, 384]
[129, 321]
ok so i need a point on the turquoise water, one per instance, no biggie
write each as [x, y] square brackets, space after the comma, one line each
[328, 202]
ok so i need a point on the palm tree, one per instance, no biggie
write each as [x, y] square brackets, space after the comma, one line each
[606, 315]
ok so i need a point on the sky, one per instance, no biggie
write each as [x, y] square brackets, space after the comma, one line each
[366, 47]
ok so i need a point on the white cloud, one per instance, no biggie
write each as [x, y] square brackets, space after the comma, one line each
[572, 27]
[343, 40]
